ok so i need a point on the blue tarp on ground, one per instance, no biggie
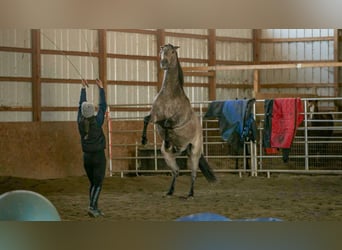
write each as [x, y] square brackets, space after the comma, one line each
[217, 217]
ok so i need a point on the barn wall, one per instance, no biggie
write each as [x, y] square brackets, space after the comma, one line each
[132, 59]
[303, 51]
[40, 150]
[234, 51]
[132, 71]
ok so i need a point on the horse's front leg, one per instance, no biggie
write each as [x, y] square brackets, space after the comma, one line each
[144, 137]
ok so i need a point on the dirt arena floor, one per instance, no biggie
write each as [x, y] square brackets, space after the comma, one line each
[286, 197]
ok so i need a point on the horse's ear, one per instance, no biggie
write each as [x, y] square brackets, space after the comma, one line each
[176, 47]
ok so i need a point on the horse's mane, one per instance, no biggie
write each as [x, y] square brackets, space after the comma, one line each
[180, 73]
[180, 70]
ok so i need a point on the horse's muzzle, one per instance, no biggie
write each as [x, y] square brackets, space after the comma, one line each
[164, 64]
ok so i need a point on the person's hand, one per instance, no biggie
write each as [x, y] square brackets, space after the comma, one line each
[99, 83]
[84, 83]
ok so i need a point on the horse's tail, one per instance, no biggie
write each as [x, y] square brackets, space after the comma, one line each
[206, 170]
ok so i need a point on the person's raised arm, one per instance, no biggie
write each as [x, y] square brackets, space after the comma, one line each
[83, 98]
[102, 103]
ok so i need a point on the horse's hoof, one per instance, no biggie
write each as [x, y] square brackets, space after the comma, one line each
[144, 141]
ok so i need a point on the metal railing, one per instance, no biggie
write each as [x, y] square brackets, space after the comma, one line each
[305, 155]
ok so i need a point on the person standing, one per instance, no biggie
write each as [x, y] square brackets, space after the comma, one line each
[93, 144]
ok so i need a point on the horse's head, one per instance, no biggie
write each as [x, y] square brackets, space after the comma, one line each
[168, 56]
[313, 105]
[313, 108]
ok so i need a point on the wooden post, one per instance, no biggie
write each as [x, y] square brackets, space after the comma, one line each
[336, 59]
[36, 81]
[256, 84]
[102, 36]
[160, 42]
[212, 62]
[256, 59]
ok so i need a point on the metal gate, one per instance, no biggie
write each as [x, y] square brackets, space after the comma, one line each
[310, 152]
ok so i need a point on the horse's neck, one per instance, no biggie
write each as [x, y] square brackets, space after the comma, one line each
[171, 83]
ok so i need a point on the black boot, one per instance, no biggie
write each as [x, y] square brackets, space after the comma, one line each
[93, 210]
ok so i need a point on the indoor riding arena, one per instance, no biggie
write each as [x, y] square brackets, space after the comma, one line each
[268, 101]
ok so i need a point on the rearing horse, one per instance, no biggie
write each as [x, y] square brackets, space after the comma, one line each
[176, 122]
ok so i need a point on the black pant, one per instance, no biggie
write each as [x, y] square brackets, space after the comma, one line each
[95, 167]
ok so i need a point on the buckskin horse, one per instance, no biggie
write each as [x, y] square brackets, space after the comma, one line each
[176, 122]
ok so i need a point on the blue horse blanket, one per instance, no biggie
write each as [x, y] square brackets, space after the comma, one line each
[236, 120]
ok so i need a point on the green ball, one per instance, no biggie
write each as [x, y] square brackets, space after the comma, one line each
[23, 205]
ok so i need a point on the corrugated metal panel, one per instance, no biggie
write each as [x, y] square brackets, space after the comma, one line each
[15, 94]
[70, 40]
[228, 93]
[234, 76]
[233, 51]
[189, 47]
[298, 51]
[20, 38]
[64, 95]
[15, 64]
[237, 33]
[189, 31]
[69, 67]
[196, 94]
[59, 116]
[119, 94]
[131, 44]
[131, 70]
[292, 51]
[14, 116]
[295, 33]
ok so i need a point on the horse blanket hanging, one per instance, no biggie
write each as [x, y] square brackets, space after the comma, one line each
[282, 118]
[236, 120]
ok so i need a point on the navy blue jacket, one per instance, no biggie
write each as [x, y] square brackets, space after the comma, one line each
[94, 140]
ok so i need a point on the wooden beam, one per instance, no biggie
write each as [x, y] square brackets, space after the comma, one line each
[256, 59]
[135, 31]
[36, 81]
[12, 49]
[15, 79]
[296, 40]
[336, 59]
[132, 57]
[256, 83]
[212, 62]
[68, 53]
[266, 66]
[185, 35]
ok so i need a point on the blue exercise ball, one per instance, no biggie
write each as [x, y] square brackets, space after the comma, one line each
[23, 205]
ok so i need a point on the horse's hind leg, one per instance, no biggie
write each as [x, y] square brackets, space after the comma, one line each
[170, 160]
[193, 162]
[144, 137]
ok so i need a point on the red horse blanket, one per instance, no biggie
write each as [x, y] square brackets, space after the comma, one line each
[286, 117]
